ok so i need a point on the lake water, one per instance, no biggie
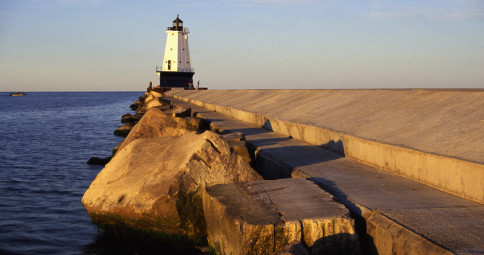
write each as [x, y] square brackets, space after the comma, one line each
[45, 142]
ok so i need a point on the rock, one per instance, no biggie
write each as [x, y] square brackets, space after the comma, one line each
[264, 216]
[154, 124]
[124, 129]
[163, 107]
[234, 137]
[134, 106]
[236, 140]
[241, 149]
[98, 161]
[293, 248]
[141, 100]
[180, 112]
[152, 94]
[157, 184]
[151, 99]
[149, 104]
[131, 118]
[17, 94]
[191, 123]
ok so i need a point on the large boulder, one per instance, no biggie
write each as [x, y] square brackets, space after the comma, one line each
[154, 124]
[157, 184]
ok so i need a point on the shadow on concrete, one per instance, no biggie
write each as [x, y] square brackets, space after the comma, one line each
[294, 157]
[267, 151]
[335, 146]
[250, 131]
[267, 155]
[342, 243]
[366, 242]
[267, 142]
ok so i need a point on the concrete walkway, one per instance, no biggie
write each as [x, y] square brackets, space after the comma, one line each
[394, 215]
[442, 122]
[431, 136]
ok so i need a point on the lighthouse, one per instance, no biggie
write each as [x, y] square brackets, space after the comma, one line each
[176, 70]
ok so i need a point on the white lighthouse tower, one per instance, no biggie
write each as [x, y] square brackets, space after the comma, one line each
[176, 70]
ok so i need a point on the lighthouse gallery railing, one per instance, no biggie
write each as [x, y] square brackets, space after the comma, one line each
[159, 69]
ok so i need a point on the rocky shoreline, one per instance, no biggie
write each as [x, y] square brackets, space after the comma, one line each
[177, 181]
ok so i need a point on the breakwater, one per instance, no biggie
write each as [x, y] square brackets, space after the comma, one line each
[385, 213]
[431, 136]
[165, 178]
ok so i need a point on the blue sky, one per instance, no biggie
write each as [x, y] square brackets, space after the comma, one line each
[104, 45]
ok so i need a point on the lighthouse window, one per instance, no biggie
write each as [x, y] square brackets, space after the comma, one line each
[169, 64]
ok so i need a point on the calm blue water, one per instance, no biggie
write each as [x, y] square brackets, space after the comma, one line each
[45, 141]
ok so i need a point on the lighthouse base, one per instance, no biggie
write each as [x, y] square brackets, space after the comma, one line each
[175, 79]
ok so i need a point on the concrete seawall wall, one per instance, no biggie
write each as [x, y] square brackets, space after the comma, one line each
[431, 136]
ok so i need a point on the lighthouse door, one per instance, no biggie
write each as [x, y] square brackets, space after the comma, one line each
[169, 64]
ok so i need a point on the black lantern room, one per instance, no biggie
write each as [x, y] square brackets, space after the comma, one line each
[177, 24]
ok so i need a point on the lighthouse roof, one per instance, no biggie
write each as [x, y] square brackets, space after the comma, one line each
[177, 24]
[178, 19]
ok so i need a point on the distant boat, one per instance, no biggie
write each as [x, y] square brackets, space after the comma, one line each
[17, 94]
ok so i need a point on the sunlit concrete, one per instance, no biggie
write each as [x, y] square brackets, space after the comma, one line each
[431, 136]
[394, 215]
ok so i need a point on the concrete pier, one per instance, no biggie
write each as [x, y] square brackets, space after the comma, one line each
[431, 136]
[394, 215]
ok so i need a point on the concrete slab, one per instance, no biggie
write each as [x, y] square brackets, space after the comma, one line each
[264, 216]
[394, 211]
[448, 223]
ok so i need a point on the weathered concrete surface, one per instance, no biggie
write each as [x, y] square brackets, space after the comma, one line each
[432, 136]
[263, 217]
[399, 216]
[157, 183]
[154, 124]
